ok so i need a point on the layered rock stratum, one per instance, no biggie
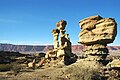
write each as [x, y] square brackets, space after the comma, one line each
[96, 29]
[96, 32]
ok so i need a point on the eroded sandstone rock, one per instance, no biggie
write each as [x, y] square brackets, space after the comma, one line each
[61, 24]
[62, 49]
[55, 33]
[96, 32]
[96, 29]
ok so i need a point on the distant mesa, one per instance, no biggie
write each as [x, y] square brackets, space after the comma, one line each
[45, 48]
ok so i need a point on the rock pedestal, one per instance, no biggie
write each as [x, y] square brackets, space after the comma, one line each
[96, 32]
[64, 48]
[55, 33]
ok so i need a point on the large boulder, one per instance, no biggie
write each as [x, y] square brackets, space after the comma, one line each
[61, 24]
[96, 32]
[96, 29]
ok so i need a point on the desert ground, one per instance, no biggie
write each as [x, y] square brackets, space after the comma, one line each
[80, 70]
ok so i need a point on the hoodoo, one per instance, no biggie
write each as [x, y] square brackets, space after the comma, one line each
[96, 32]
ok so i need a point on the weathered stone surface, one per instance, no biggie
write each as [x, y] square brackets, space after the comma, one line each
[61, 24]
[66, 44]
[114, 63]
[96, 29]
[95, 49]
[64, 49]
[96, 57]
[96, 32]
[50, 54]
[55, 33]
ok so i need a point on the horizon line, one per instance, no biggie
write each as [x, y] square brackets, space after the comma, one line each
[45, 44]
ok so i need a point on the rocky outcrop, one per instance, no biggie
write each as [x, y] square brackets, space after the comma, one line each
[62, 50]
[96, 29]
[96, 32]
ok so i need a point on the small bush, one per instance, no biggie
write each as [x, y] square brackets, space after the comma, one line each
[5, 67]
[15, 67]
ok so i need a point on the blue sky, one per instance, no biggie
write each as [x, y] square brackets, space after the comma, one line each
[31, 21]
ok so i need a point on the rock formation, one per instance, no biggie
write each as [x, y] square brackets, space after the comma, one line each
[62, 50]
[96, 32]
[55, 33]
[31, 64]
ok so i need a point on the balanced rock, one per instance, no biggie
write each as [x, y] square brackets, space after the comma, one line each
[61, 24]
[96, 29]
[96, 32]
[62, 45]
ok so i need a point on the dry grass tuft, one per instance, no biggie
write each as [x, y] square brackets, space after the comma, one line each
[84, 70]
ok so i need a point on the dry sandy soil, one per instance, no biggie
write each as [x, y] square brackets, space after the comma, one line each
[81, 70]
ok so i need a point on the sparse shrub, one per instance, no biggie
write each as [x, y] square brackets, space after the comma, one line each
[84, 71]
[5, 67]
[15, 67]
